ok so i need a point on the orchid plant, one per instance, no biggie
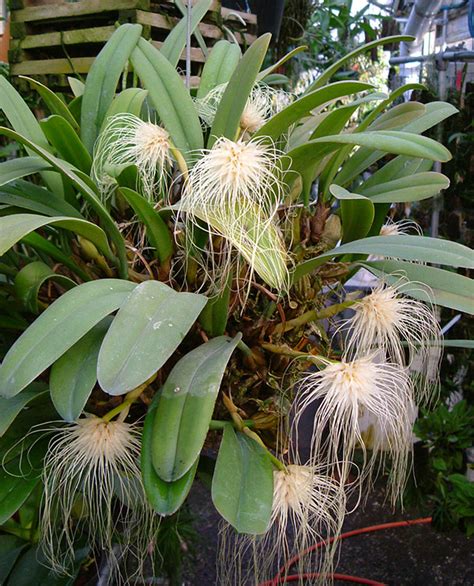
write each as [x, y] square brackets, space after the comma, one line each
[173, 278]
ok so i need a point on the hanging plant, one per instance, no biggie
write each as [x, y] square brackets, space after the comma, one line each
[173, 278]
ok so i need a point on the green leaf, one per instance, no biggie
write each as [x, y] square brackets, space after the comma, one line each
[330, 71]
[14, 228]
[391, 141]
[39, 243]
[446, 288]
[157, 231]
[266, 72]
[102, 80]
[357, 213]
[66, 142]
[418, 248]
[169, 97]
[396, 169]
[53, 102]
[214, 316]
[23, 194]
[18, 478]
[146, 331]
[242, 486]
[398, 116]
[219, 67]
[77, 86]
[175, 42]
[21, 167]
[65, 322]
[74, 375]
[186, 405]
[129, 101]
[24, 122]
[165, 497]
[227, 118]
[33, 563]
[412, 188]
[10, 548]
[10, 408]
[31, 278]
[280, 122]
[83, 184]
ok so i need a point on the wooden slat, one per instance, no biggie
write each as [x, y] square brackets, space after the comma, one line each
[52, 66]
[209, 31]
[101, 34]
[62, 9]
[62, 66]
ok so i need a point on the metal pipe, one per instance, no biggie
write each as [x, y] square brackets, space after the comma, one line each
[419, 22]
[444, 56]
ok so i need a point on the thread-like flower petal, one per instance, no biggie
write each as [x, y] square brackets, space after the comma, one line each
[127, 140]
[386, 319]
[342, 393]
[92, 484]
[308, 506]
[236, 188]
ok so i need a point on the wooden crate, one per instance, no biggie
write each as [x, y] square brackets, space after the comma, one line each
[56, 38]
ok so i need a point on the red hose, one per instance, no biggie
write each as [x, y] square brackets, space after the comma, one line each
[341, 577]
[280, 578]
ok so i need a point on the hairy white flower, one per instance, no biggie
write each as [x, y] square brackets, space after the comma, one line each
[263, 102]
[92, 484]
[127, 140]
[401, 227]
[342, 393]
[308, 506]
[236, 188]
[385, 320]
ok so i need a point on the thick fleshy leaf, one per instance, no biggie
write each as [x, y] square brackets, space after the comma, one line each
[84, 184]
[130, 101]
[74, 375]
[232, 104]
[23, 121]
[14, 228]
[18, 168]
[186, 406]
[102, 79]
[413, 188]
[418, 248]
[242, 486]
[26, 195]
[65, 321]
[157, 231]
[66, 142]
[18, 478]
[10, 549]
[33, 563]
[330, 71]
[279, 123]
[41, 244]
[31, 278]
[169, 97]
[175, 42]
[165, 497]
[10, 408]
[148, 328]
[445, 288]
[357, 213]
[219, 66]
[53, 102]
